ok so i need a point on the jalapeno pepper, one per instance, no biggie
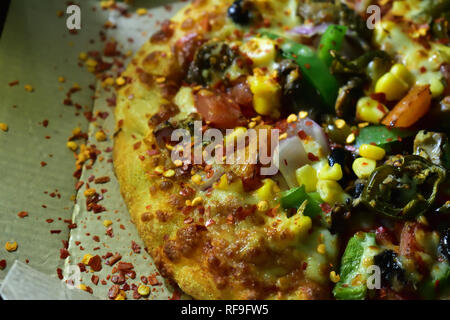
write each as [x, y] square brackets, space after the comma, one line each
[332, 39]
[405, 189]
[294, 198]
[315, 71]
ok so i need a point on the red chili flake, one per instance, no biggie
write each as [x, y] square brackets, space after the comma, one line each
[307, 66]
[308, 123]
[381, 108]
[95, 263]
[113, 259]
[113, 292]
[389, 139]
[304, 265]
[153, 281]
[49, 220]
[43, 163]
[95, 279]
[302, 135]
[2, 264]
[55, 231]
[144, 280]
[326, 208]
[135, 247]
[365, 164]
[14, 83]
[188, 220]
[60, 273]
[209, 222]
[96, 238]
[124, 266]
[22, 214]
[45, 123]
[63, 253]
[423, 69]
[137, 145]
[102, 180]
[176, 295]
[399, 139]
[312, 157]
[380, 97]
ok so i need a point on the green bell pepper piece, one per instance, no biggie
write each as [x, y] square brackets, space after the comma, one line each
[381, 136]
[353, 273]
[405, 191]
[332, 39]
[315, 71]
[295, 197]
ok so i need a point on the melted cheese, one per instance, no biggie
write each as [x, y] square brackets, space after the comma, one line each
[423, 63]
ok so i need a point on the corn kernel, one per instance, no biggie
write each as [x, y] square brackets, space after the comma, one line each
[28, 88]
[331, 192]
[100, 136]
[120, 81]
[178, 163]
[236, 186]
[302, 114]
[262, 52]
[159, 170]
[11, 246]
[350, 138]
[334, 277]
[364, 167]
[91, 63]
[76, 131]
[300, 225]
[89, 192]
[266, 94]
[436, 88]
[108, 82]
[393, 87]
[169, 173]
[72, 145]
[371, 152]
[121, 296]
[263, 206]
[340, 123]
[107, 223]
[3, 127]
[307, 176]
[370, 110]
[321, 248]
[331, 173]
[292, 118]
[141, 11]
[237, 134]
[83, 56]
[144, 290]
[401, 72]
[86, 258]
[197, 201]
[61, 79]
[267, 191]
[197, 179]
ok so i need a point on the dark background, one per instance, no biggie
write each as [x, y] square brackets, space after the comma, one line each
[4, 5]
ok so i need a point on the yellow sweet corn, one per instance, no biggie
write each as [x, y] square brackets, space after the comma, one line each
[370, 110]
[393, 87]
[331, 192]
[396, 83]
[307, 176]
[238, 133]
[401, 72]
[235, 186]
[266, 93]
[72, 145]
[86, 258]
[261, 51]
[267, 191]
[331, 173]
[371, 152]
[143, 290]
[363, 167]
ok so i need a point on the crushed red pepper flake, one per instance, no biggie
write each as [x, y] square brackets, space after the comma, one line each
[22, 214]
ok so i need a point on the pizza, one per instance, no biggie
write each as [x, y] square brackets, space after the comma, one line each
[292, 149]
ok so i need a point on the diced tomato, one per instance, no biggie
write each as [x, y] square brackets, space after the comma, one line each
[218, 109]
[186, 47]
[242, 95]
[408, 243]
[384, 236]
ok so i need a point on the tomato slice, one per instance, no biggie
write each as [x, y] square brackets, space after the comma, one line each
[219, 110]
